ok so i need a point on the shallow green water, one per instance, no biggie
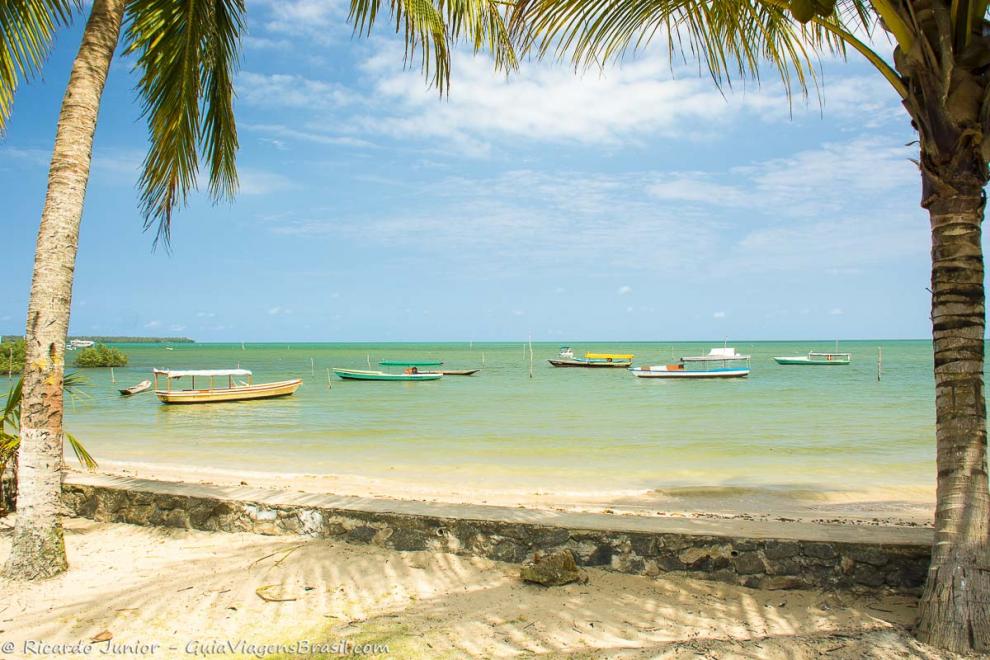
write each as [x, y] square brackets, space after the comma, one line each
[579, 430]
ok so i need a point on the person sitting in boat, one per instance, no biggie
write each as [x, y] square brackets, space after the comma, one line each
[412, 370]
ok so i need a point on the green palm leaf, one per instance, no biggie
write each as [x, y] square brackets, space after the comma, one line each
[187, 52]
[432, 28]
[10, 423]
[83, 456]
[27, 28]
[730, 39]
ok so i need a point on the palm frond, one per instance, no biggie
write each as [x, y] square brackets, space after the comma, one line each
[84, 457]
[219, 134]
[27, 28]
[187, 52]
[12, 407]
[731, 39]
[432, 28]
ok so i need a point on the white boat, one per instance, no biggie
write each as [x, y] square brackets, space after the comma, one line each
[680, 371]
[235, 391]
[79, 343]
[717, 364]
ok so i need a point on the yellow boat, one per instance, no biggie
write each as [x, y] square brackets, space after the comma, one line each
[234, 391]
[592, 360]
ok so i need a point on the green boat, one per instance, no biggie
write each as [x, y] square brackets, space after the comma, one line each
[411, 371]
[816, 359]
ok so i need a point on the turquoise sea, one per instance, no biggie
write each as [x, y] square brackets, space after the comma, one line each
[568, 430]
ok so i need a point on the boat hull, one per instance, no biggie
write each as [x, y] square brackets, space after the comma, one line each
[803, 360]
[140, 387]
[687, 374]
[587, 364]
[241, 393]
[459, 372]
[358, 374]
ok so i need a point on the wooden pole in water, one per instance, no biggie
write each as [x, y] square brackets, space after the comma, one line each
[879, 363]
[531, 356]
[312, 366]
[329, 382]
[482, 359]
[369, 360]
[113, 379]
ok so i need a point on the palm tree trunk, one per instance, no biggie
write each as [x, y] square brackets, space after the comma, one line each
[954, 611]
[38, 549]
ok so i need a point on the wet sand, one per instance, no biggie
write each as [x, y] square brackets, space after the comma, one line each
[878, 506]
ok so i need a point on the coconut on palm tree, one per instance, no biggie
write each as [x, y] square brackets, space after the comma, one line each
[186, 52]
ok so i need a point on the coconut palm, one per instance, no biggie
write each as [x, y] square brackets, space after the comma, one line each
[186, 55]
[10, 439]
[940, 69]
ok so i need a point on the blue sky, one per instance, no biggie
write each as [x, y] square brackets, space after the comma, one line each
[637, 204]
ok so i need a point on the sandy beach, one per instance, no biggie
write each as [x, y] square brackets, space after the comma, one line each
[174, 593]
[876, 506]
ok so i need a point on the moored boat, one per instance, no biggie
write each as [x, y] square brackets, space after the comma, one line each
[718, 363]
[235, 391]
[410, 372]
[592, 360]
[681, 371]
[816, 359]
[459, 372]
[144, 385]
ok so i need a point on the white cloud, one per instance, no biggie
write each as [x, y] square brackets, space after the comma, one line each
[628, 104]
[836, 311]
[259, 182]
[153, 324]
[322, 21]
[278, 310]
[315, 136]
[176, 327]
[205, 315]
[718, 315]
[291, 91]
[529, 218]
[624, 290]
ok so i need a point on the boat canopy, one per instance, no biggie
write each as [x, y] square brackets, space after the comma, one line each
[402, 363]
[716, 355]
[208, 373]
[609, 356]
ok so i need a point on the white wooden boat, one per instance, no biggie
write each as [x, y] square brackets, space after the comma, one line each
[143, 386]
[212, 394]
[718, 363]
[680, 371]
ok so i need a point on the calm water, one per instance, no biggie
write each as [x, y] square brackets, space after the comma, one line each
[831, 428]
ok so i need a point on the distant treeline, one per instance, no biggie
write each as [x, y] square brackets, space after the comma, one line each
[119, 340]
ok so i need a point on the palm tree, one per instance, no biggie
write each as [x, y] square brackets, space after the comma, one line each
[187, 52]
[941, 71]
[10, 439]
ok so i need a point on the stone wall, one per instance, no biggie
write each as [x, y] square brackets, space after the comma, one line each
[763, 563]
